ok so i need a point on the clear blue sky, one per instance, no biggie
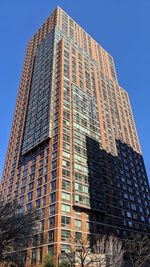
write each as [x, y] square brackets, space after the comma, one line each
[122, 27]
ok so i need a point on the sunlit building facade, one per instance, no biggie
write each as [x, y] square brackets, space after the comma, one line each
[74, 152]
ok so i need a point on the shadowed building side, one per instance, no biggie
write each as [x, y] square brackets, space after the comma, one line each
[121, 192]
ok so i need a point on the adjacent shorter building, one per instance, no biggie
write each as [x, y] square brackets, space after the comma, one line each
[74, 152]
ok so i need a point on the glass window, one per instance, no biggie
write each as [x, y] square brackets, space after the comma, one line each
[52, 209]
[51, 236]
[53, 185]
[65, 184]
[29, 206]
[133, 206]
[65, 208]
[65, 248]
[40, 181]
[52, 197]
[38, 202]
[78, 223]
[38, 192]
[65, 234]
[30, 195]
[65, 220]
[51, 222]
[33, 256]
[129, 215]
[78, 235]
[40, 254]
[65, 196]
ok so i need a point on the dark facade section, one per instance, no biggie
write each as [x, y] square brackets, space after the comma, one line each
[37, 125]
[119, 191]
[95, 176]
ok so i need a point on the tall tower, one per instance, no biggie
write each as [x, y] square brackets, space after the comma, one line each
[74, 152]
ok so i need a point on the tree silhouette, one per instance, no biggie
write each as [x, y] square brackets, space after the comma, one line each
[137, 251]
[109, 251]
[49, 261]
[16, 233]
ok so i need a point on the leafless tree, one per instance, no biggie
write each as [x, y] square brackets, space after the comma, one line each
[137, 251]
[16, 232]
[109, 250]
[80, 253]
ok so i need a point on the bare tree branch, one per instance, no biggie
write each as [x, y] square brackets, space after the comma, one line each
[80, 253]
[110, 251]
[137, 251]
[16, 232]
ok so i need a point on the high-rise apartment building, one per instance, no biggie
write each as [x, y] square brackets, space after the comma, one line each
[74, 152]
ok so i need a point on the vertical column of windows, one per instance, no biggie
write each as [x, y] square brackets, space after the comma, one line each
[87, 76]
[85, 124]
[93, 83]
[84, 41]
[89, 46]
[125, 125]
[64, 23]
[80, 68]
[105, 112]
[112, 68]
[114, 112]
[106, 72]
[71, 30]
[100, 58]
[66, 208]
[74, 65]
[132, 128]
